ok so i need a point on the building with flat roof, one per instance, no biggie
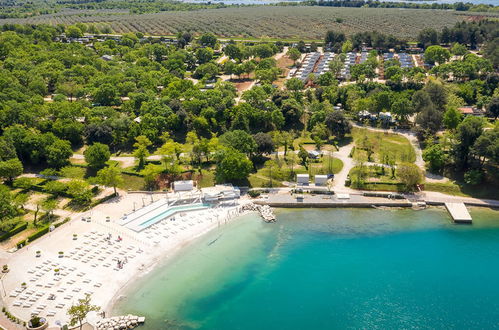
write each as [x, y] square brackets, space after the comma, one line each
[184, 185]
[302, 179]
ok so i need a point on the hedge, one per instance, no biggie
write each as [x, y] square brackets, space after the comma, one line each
[41, 232]
[102, 200]
[19, 228]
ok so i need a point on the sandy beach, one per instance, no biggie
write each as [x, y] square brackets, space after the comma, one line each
[103, 259]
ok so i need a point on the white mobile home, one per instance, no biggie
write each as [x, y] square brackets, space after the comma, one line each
[302, 179]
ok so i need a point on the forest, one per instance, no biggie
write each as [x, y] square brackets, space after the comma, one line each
[170, 110]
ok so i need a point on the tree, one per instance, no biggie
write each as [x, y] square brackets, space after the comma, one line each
[493, 107]
[49, 206]
[303, 155]
[452, 118]
[435, 157]
[110, 176]
[337, 124]
[264, 142]
[106, 94]
[436, 54]
[467, 132]
[58, 153]
[100, 132]
[151, 173]
[141, 152]
[204, 55]
[285, 139]
[21, 199]
[294, 84]
[430, 119]
[232, 166]
[335, 66]
[208, 40]
[346, 47]
[410, 175]
[170, 153]
[7, 208]
[437, 93]
[55, 187]
[79, 312]
[73, 32]
[206, 71]
[402, 107]
[80, 191]
[486, 147]
[239, 140]
[9, 169]
[294, 54]
[233, 51]
[427, 37]
[97, 155]
[458, 49]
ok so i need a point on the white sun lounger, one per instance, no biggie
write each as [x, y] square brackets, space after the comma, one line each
[51, 313]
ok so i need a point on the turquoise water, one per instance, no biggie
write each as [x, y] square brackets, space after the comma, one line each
[329, 269]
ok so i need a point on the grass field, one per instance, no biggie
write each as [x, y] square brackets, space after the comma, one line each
[393, 145]
[264, 22]
[458, 189]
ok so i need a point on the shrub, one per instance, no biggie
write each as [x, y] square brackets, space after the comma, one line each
[55, 187]
[19, 228]
[254, 193]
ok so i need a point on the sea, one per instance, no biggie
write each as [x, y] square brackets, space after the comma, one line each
[329, 269]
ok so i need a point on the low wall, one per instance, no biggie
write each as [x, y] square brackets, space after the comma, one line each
[335, 204]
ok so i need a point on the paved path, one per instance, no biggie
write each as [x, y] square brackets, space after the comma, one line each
[126, 161]
[348, 163]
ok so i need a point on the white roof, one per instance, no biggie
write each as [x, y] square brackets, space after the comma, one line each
[302, 175]
[321, 176]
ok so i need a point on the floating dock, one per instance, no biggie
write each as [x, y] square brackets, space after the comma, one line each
[458, 212]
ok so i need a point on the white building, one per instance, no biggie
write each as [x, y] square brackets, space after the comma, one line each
[185, 185]
[302, 179]
[320, 180]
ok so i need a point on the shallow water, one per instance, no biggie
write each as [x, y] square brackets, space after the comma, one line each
[325, 269]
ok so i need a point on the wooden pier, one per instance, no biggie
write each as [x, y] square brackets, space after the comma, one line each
[458, 212]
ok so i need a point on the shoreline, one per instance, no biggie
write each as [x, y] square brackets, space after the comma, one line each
[159, 261]
[90, 261]
[147, 249]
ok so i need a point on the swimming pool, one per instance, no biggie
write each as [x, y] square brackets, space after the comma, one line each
[143, 222]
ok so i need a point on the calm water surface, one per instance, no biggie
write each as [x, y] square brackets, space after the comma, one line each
[329, 269]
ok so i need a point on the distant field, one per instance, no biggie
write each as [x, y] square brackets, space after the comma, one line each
[269, 21]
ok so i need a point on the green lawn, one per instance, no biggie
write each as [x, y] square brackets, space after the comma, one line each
[206, 179]
[383, 145]
[257, 180]
[485, 190]
[132, 182]
[374, 178]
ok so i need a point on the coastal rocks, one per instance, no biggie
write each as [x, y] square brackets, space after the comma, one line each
[265, 211]
[120, 322]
